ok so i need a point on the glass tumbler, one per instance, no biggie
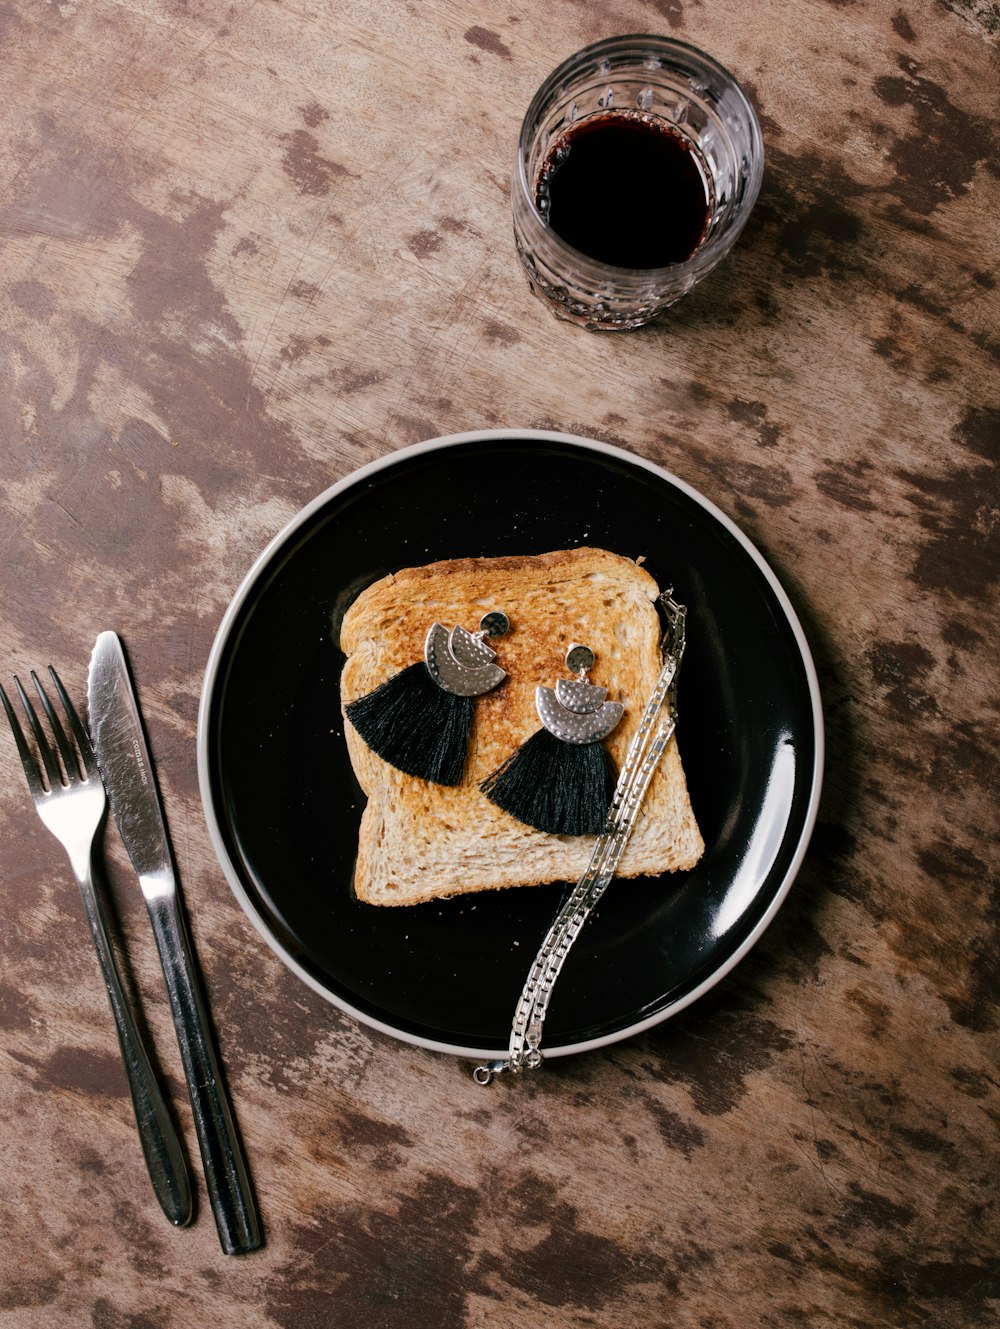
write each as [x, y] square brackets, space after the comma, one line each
[650, 78]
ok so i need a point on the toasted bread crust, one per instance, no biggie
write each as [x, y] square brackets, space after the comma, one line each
[420, 841]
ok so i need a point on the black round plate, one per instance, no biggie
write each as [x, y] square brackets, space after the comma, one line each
[283, 805]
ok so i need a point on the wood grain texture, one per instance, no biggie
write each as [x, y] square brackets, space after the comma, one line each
[243, 250]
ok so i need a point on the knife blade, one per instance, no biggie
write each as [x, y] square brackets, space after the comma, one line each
[127, 770]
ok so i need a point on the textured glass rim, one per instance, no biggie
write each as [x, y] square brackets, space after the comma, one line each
[705, 255]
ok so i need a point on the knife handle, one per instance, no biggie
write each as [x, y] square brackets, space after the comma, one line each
[226, 1175]
[157, 1133]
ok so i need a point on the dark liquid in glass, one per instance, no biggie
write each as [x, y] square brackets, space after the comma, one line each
[625, 189]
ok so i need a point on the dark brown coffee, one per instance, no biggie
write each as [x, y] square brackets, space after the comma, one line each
[625, 189]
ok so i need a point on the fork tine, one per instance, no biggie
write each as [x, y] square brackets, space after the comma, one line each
[23, 751]
[44, 747]
[86, 748]
[71, 764]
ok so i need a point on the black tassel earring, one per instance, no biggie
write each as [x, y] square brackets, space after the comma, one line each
[561, 780]
[419, 720]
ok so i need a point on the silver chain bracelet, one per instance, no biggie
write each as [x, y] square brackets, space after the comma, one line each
[642, 758]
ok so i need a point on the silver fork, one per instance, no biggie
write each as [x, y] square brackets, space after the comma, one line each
[72, 804]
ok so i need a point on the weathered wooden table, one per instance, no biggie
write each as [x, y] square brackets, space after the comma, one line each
[245, 249]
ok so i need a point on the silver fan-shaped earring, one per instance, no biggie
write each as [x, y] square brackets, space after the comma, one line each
[419, 720]
[561, 780]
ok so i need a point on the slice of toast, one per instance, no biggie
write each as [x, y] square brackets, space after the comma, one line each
[420, 841]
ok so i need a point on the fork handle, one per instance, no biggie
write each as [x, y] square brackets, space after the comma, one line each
[160, 1142]
[226, 1176]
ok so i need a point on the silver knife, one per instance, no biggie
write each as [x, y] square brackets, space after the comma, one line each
[127, 770]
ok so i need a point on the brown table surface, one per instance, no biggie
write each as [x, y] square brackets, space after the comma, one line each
[244, 250]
